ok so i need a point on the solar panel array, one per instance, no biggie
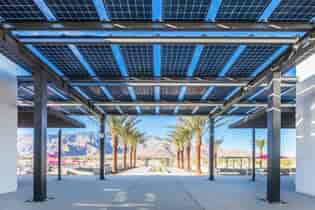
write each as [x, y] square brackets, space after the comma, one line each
[294, 10]
[175, 59]
[251, 59]
[138, 59]
[219, 55]
[63, 58]
[73, 9]
[20, 10]
[185, 10]
[101, 58]
[242, 9]
[129, 9]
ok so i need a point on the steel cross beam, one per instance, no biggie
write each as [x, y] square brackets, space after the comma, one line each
[157, 26]
[26, 103]
[166, 81]
[96, 40]
[292, 56]
[37, 65]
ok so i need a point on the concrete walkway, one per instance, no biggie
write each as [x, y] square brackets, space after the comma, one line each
[154, 192]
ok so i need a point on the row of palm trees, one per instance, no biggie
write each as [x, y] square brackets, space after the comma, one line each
[182, 134]
[124, 131]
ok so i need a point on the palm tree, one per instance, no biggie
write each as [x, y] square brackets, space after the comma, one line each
[196, 124]
[125, 133]
[261, 144]
[217, 144]
[134, 139]
[175, 137]
[114, 124]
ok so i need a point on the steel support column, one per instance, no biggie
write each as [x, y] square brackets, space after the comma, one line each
[59, 153]
[102, 147]
[274, 126]
[211, 149]
[254, 155]
[40, 136]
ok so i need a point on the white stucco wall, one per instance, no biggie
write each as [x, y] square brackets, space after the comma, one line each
[305, 128]
[8, 128]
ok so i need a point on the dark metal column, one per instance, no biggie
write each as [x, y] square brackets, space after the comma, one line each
[59, 153]
[254, 156]
[102, 147]
[274, 126]
[40, 135]
[211, 149]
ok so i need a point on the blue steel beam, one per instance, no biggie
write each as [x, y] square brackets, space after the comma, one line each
[91, 71]
[190, 72]
[213, 10]
[101, 10]
[157, 10]
[226, 68]
[123, 71]
[269, 10]
[45, 10]
[157, 72]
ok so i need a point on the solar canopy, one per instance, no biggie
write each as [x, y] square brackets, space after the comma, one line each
[155, 57]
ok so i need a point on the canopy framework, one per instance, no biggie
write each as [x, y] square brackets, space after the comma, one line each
[100, 40]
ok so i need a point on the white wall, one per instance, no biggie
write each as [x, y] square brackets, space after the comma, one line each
[8, 128]
[305, 128]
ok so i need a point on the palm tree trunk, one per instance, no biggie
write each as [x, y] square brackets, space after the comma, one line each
[178, 159]
[198, 152]
[261, 159]
[188, 165]
[182, 158]
[130, 156]
[135, 156]
[124, 157]
[114, 153]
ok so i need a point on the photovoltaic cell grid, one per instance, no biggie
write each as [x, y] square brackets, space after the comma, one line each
[101, 58]
[119, 93]
[213, 58]
[251, 59]
[129, 9]
[73, 9]
[169, 93]
[220, 93]
[63, 59]
[144, 93]
[20, 10]
[195, 93]
[294, 10]
[175, 59]
[185, 9]
[138, 59]
[242, 9]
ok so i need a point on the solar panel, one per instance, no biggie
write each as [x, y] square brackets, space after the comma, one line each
[129, 9]
[95, 93]
[167, 110]
[242, 9]
[20, 10]
[63, 59]
[101, 58]
[185, 9]
[213, 58]
[220, 93]
[119, 93]
[251, 59]
[138, 59]
[169, 93]
[294, 10]
[175, 59]
[73, 9]
[195, 93]
[144, 93]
